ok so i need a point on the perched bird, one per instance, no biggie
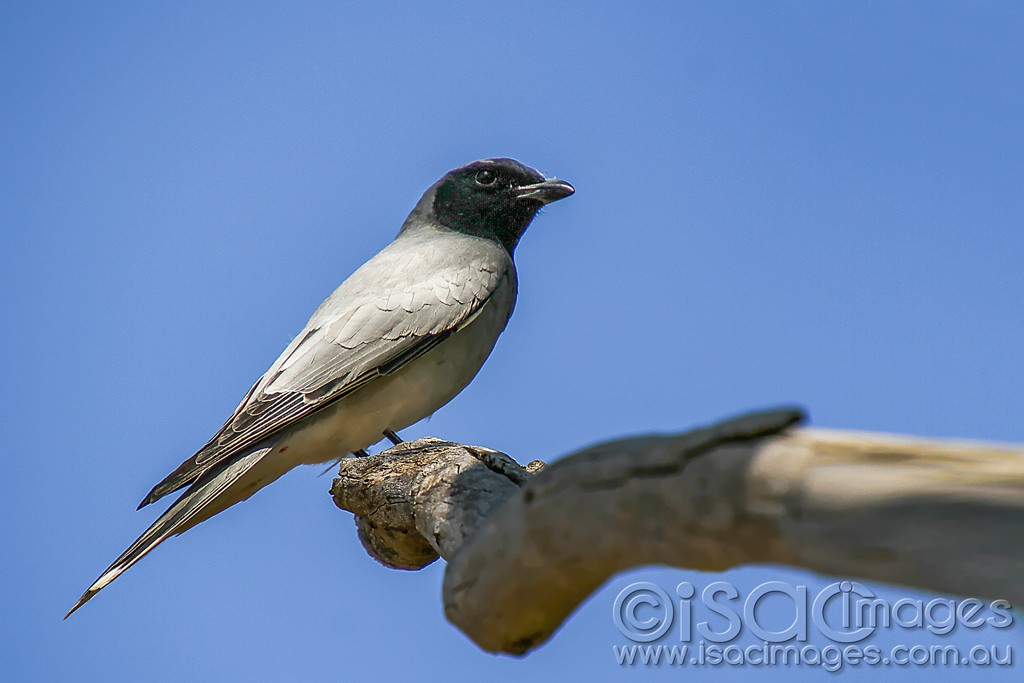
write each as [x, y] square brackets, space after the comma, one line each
[402, 336]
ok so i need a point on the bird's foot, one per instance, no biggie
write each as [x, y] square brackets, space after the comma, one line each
[392, 437]
[361, 453]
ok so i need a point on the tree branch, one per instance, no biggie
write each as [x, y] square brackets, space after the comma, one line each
[525, 546]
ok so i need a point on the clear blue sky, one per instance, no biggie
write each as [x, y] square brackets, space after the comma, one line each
[813, 202]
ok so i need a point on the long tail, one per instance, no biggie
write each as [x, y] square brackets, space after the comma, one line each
[205, 498]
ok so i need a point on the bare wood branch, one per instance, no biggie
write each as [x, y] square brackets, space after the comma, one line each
[525, 546]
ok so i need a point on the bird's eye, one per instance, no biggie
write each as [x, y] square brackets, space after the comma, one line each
[486, 177]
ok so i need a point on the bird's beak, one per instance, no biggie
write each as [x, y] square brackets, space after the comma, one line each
[550, 190]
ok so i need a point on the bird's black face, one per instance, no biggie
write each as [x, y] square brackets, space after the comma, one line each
[494, 198]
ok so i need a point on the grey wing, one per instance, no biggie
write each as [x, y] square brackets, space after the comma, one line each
[342, 350]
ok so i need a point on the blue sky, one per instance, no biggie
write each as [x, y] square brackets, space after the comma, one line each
[811, 202]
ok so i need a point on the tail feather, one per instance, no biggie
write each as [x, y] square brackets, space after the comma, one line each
[202, 500]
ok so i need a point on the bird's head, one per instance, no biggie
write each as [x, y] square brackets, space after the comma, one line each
[493, 198]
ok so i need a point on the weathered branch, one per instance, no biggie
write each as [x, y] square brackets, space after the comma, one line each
[525, 546]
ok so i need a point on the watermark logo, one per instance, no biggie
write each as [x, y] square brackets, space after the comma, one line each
[787, 621]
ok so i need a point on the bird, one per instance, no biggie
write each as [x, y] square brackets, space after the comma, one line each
[397, 340]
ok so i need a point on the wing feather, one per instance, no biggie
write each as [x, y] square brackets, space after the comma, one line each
[355, 337]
